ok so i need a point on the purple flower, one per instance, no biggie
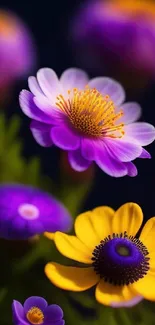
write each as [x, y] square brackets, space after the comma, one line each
[16, 48]
[37, 312]
[87, 118]
[116, 34]
[26, 211]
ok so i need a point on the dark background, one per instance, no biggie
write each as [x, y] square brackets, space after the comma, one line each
[49, 21]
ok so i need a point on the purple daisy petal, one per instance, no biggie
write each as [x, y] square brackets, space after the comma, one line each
[35, 301]
[132, 170]
[77, 161]
[141, 133]
[109, 164]
[30, 109]
[130, 303]
[123, 150]
[88, 148]
[34, 86]
[55, 114]
[132, 112]
[18, 313]
[44, 105]
[74, 78]
[108, 86]
[65, 138]
[49, 83]
[53, 313]
[41, 133]
[145, 154]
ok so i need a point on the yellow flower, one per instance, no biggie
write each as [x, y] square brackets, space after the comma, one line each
[122, 265]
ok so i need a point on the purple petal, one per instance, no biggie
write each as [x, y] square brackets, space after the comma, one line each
[145, 154]
[65, 138]
[35, 301]
[123, 150]
[49, 83]
[34, 86]
[130, 303]
[53, 313]
[34, 227]
[108, 86]
[30, 109]
[17, 227]
[132, 170]
[141, 133]
[77, 161]
[18, 313]
[59, 322]
[44, 104]
[74, 78]
[58, 220]
[108, 163]
[54, 113]
[88, 149]
[41, 133]
[132, 112]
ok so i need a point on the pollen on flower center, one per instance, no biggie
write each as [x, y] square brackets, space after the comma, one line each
[28, 211]
[91, 113]
[35, 316]
[123, 250]
[121, 259]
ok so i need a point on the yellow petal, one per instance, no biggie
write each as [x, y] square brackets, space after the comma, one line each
[101, 218]
[71, 278]
[128, 218]
[148, 234]
[85, 230]
[49, 235]
[72, 247]
[152, 261]
[110, 295]
[146, 286]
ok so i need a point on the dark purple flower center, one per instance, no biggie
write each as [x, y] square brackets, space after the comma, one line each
[35, 316]
[121, 259]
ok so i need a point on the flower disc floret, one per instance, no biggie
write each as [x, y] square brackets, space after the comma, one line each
[91, 113]
[35, 316]
[120, 259]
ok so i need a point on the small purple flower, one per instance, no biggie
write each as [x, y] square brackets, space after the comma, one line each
[17, 52]
[87, 118]
[26, 211]
[116, 35]
[36, 311]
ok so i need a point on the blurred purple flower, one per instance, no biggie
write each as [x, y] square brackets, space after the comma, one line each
[17, 52]
[88, 119]
[26, 211]
[115, 36]
[36, 311]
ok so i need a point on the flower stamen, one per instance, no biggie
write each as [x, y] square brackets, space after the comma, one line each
[35, 316]
[91, 113]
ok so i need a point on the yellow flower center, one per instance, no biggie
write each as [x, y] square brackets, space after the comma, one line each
[35, 316]
[7, 25]
[134, 7]
[91, 113]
